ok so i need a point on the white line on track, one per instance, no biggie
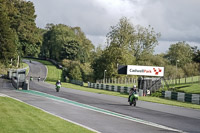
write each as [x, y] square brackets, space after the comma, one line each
[53, 114]
[85, 106]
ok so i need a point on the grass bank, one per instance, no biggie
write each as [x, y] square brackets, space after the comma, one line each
[17, 117]
[193, 88]
[148, 98]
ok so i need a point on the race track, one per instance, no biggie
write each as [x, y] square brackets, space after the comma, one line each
[103, 113]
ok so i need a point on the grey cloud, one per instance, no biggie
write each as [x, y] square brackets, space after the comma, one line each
[92, 18]
[175, 19]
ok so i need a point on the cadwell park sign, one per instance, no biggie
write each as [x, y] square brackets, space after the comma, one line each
[141, 70]
[146, 85]
[145, 70]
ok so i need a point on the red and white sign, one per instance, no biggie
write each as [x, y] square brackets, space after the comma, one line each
[145, 70]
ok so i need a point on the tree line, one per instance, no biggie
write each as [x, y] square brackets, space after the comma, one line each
[127, 44]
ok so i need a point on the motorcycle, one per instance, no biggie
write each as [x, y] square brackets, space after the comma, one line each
[58, 86]
[133, 99]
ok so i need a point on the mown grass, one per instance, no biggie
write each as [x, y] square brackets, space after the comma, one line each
[148, 98]
[191, 88]
[17, 117]
[24, 65]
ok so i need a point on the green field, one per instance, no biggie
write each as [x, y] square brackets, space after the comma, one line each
[191, 88]
[17, 117]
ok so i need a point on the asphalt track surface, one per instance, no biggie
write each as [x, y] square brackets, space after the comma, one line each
[103, 113]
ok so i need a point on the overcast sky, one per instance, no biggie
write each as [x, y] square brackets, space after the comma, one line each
[176, 20]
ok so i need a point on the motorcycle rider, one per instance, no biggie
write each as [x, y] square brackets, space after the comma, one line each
[58, 83]
[38, 78]
[132, 90]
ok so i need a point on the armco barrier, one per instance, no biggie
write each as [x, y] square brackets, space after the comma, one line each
[102, 86]
[107, 87]
[112, 88]
[188, 98]
[97, 86]
[183, 97]
[195, 98]
[174, 95]
[168, 94]
[163, 94]
[125, 89]
[118, 88]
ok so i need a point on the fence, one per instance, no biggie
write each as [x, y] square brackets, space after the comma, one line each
[183, 97]
[169, 80]
[184, 80]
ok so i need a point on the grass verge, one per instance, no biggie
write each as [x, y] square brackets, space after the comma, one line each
[17, 117]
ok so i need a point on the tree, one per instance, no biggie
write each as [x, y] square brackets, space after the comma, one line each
[180, 53]
[191, 69]
[63, 42]
[152, 60]
[196, 54]
[85, 47]
[75, 73]
[7, 36]
[135, 39]
[126, 44]
[22, 19]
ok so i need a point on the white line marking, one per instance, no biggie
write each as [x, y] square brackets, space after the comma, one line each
[55, 115]
[111, 113]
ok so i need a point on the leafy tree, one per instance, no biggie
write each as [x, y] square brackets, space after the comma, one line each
[85, 69]
[180, 53]
[135, 39]
[152, 60]
[85, 47]
[126, 44]
[22, 19]
[191, 69]
[63, 42]
[196, 54]
[75, 73]
[172, 73]
[7, 36]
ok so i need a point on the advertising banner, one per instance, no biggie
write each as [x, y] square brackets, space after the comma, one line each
[145, 70]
